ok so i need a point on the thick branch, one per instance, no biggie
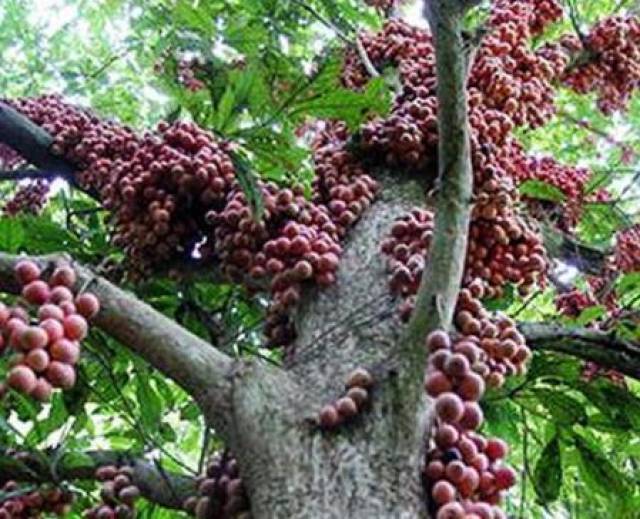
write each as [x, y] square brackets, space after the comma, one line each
[166, 489]
[27, 174]
[194, 364]
[603, 348]
[31, 142]
[441, 280]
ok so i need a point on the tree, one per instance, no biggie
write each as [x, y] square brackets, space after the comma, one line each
[410, 288]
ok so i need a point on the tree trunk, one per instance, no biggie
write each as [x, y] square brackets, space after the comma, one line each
[369, 467]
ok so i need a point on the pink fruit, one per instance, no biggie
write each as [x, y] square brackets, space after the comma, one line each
[471, 387]
[496, 449]
[68, 307]
[446, 436]
[329, 417]
[50, 311]
[37, 360]
[22, 379]
[443, 492]
[438, 340]
[436, 383]
[37, 292]
[42, 390]
[449, 407]
[75, 327]
[61, 375]
[346, 407]
[34, 337]
[53, 328]
[63, 276]
[451, 511]
[472, 417]
[60, 294]
[87, 305]
[26, 271]
[65, 351]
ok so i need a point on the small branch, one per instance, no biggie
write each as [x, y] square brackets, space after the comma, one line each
[199, 368]
[441, 280]
[603, 348]
[362, 53]
[27, 174]
[168, 490]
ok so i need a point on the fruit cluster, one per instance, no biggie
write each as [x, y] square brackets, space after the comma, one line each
[46, 348]
[613, 70]
[9, 159]
[627, 251]
[118, 493]
[221, 494]
[28, 199]
[464, 471]
[355, 399]
[35, 503]
[187, 69]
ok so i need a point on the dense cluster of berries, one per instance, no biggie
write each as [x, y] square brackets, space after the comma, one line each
[118, 493]
[28, 199]
[9, 159]
[355, 399]
[464, 472]
[613, 70]
[47, 348]
[34, 503]
[221, 494]
[627, 251]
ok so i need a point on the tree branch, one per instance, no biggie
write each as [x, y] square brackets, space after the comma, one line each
[27, 174]
[164, 488]
[199, 368]
[603, 348]
[440, 284]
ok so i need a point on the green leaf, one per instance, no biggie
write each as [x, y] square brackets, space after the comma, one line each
[547, 475]
[11, 235]
[541, 190]
[590, 314]
[249, 184]
[225, 109]
[598, 472]
[149, 402]
[563, 408]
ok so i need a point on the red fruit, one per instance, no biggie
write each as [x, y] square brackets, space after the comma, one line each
[54, 329]
[329, 417]
[438, 340]
[469, 482]
[471, 387]
[472, 416]
[457, 365]
[60, 294]
[50, 311]
[34, 337]
[42, 391]
[505, 477]
[75, 327]
[346, 407]
[37, 360]
[63, 276]
[37, 292]
[496, 449]
[449, 407]
[26, 271]
[303, 270]
[451, 511]
[446, 436]
[443, 492]
[436, 383]
[434, 470]
[61, 375]
[22, 379]
[455, 471]
[87, 305]
[67, 307]
[65, 351]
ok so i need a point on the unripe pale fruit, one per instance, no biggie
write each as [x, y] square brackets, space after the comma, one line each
[505, 477]
[42, 391]
[359, 395]
[65, 351]
[63, 276]
[22, 379]
[346, 407]
[54, 329]
[443, 492]
[75, 327]
[496, 449]
[37, 292]
[359, 377]
[449, 407]
[61, 375]
[34, 337]
[451, 511]
[27, 271]
[438, 340]
[87, 305]
[329, 417]
[436, 383]
[37, 360]
[471, 387]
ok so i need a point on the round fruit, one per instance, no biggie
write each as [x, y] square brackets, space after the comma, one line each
[87, 305]
[26, 271]
[75, 327]
[22, 379]
[449, 407]
[61, 375]
[63, 276]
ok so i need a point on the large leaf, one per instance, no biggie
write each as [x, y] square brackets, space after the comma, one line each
[547, 475]
[541, 190]
[598, 472]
